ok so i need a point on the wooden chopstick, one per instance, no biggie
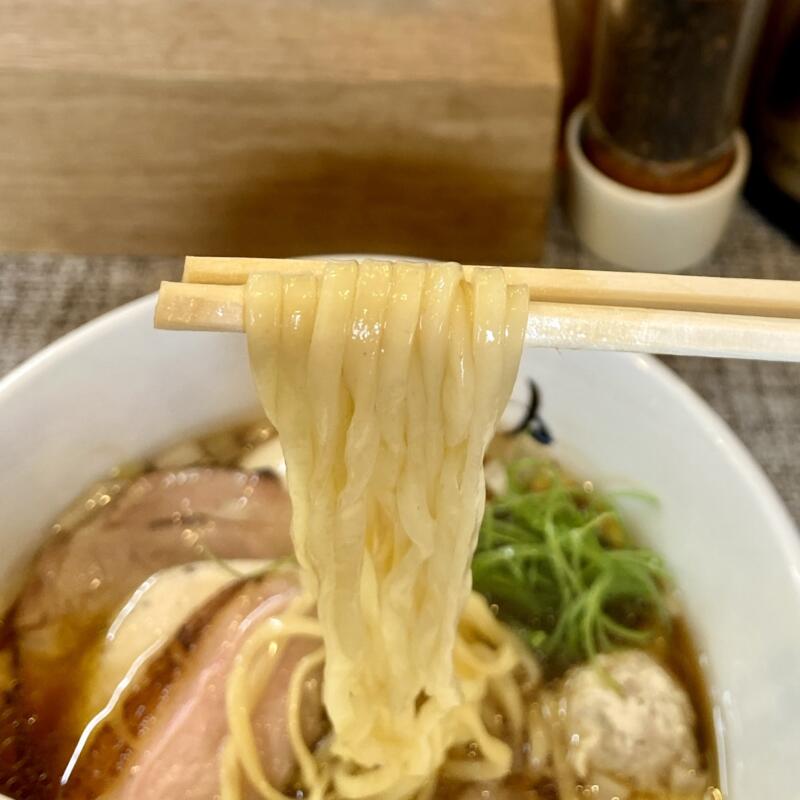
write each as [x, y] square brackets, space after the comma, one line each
[215, 307]
[748, 296]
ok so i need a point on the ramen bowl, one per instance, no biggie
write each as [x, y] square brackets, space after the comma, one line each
[116, 390]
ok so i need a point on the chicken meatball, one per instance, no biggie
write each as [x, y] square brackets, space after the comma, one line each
[629, 724]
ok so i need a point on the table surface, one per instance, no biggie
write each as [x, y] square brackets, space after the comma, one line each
[44, 296]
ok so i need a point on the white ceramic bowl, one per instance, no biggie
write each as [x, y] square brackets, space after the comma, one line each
[117, 389]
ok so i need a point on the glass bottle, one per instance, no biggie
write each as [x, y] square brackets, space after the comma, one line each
[668, 82]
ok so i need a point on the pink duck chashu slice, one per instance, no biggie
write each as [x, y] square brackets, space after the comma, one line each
[81, 577]
[165, 740]
[161, 520]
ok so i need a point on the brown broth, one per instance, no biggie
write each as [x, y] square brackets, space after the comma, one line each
[25, 747]
[34, 747]
[680, 654]
[677, 651]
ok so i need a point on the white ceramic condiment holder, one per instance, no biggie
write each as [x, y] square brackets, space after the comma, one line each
[645, 231]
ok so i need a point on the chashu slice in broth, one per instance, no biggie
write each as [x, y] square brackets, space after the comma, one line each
[83, 576]
[164, 518]
[163, 739]
[148, 619]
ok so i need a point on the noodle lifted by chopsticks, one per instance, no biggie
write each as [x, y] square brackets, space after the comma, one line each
[385, 384]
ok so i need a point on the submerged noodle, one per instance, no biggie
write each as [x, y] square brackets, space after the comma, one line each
[385, 383]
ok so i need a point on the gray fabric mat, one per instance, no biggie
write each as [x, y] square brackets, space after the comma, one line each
[43, 296]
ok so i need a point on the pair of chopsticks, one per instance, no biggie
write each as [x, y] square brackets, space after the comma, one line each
[569, 309]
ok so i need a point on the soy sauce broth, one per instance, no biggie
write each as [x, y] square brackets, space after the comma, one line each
[34, 747]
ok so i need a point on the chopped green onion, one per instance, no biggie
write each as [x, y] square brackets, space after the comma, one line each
[558, 563]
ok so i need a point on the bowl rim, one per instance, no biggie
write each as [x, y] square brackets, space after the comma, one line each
[782, 539]
[785, 531]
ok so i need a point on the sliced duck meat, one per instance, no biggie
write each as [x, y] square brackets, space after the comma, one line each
[82, 577]
[164, 518]
[164, 738]
[148, 619]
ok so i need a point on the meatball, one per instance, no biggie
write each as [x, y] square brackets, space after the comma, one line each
[630, 724]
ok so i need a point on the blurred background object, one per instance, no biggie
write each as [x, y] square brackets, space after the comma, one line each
[278, 127]
[774, 185]
[658, 149]
[424, 127]
[575, 22]
[668, 84]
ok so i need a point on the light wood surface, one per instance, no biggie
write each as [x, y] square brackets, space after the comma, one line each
[628, 289]
[200, 307]
[592, 319]
[208, 307]
[277, 126]
[498, 43]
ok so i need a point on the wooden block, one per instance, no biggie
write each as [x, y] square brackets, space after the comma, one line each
[277, 127]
